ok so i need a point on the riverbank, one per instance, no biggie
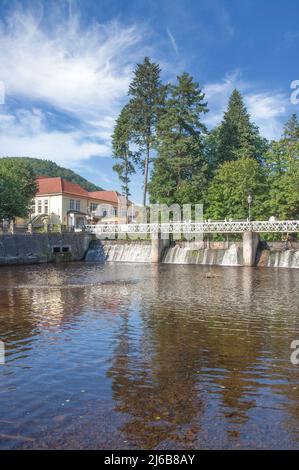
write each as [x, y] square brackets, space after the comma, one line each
[43, 247]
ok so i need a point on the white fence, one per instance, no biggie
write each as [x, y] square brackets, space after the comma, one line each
[285, 226]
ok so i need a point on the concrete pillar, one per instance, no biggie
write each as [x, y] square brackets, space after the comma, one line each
[12, 227]
[46, 227]
[158, 247]
[250, 244]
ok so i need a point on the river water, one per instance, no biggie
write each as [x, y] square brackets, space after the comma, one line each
[123, 356]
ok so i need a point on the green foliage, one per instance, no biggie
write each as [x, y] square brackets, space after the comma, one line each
[230, 187]
[51, 169]
[291, 129]
[282, 163]
[219, 168]
[211, 141]
[17, 188]
[180, 171]
[121, 150]
[146, 103]
[238, 137]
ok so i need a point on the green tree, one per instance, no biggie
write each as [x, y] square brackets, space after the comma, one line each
[124, 156]
[291, 129]
[282, 163]
[230, 187]
[180, 171]
[51, 169]
[238, 136]
[17, 188]
[147, 96]
[210, 149]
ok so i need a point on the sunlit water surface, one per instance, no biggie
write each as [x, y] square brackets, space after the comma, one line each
[125, 356]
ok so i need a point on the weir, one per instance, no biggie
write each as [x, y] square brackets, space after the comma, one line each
[198, 253]
[159, 249]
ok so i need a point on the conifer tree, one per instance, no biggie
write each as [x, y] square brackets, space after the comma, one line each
[147, 95]
[291, 129]
[180, 171]
[121, 140]
[238, 136]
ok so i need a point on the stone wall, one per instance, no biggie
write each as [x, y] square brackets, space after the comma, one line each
[43, 247]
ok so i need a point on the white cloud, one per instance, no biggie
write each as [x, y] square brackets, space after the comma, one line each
[24, 135]
[58, 64]
[173, 41]
[268, 110]
[75, 70]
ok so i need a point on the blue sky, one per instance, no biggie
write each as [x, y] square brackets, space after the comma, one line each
[66, 66]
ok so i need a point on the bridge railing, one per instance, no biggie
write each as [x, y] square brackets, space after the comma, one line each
[285, 226]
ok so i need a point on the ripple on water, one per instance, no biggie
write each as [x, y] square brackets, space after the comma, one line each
[124, 356]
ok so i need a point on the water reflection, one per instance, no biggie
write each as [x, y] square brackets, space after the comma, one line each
[147, 356]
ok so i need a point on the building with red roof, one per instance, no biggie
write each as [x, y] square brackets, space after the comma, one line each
[62, 202]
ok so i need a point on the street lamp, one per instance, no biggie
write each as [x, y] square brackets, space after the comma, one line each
[249, 200]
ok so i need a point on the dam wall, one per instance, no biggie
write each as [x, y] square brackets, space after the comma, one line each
[274, 254]
[43, 247]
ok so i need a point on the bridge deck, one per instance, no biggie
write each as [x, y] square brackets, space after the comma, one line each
[285, 226]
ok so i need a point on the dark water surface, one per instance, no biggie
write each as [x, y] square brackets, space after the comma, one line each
[141, 356]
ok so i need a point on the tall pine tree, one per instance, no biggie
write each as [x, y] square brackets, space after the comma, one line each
[238, 137]
[180, 172]
[122, 152]
[147, 96]
[291, 129]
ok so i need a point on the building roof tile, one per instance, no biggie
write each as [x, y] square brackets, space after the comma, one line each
[59, 185]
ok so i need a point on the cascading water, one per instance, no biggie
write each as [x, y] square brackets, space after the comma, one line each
[279, 259]
[119, 252]
[189, 253]
[207, 256]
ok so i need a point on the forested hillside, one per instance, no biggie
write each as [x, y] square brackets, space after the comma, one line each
[49, 168]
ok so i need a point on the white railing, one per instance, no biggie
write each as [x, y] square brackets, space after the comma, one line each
[285, 226]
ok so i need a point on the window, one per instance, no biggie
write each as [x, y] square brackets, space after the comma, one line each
[32, 209]
[39, 206]
[46, 206]
[93, 207]
[78, 206]
[72, 204]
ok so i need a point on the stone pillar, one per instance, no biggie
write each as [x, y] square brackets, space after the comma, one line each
[12, 227]
[250, 244]
[158, 247]
[46, 227]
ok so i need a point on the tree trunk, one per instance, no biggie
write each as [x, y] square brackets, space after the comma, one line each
[146, 163]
